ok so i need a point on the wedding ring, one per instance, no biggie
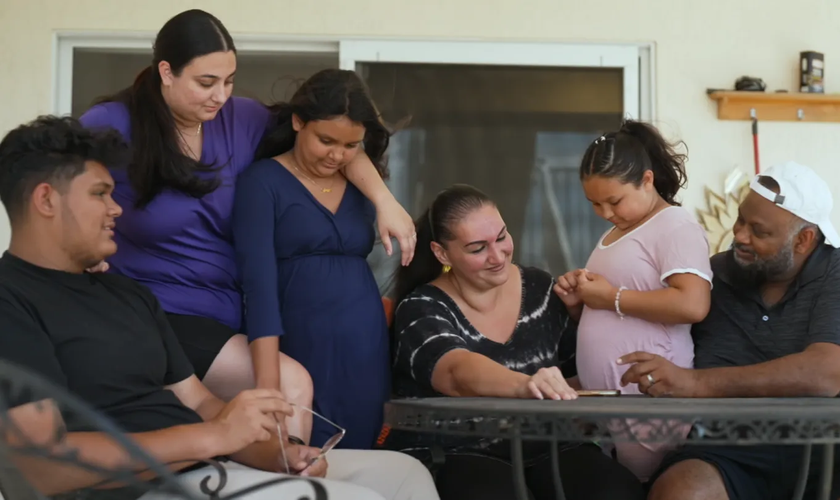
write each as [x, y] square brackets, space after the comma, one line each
[650, 379]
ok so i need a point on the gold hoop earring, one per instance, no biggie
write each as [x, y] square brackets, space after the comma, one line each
[446, 269]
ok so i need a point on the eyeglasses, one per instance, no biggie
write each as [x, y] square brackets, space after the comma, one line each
[329, 445]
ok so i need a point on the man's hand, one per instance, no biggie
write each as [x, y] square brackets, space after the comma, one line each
[300, 457]
[282, 429]
[248, 418]
[39, 423]
[667, 378]
[274, 385]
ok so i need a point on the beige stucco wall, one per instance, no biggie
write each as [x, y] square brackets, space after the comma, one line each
[698, 45]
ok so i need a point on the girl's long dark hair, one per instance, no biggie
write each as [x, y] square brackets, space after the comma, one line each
[157, 160]
[631, 151]
[328, 94]
[436, 223]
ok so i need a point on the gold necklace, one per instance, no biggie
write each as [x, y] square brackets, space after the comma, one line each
[323, 189]
[184, 139]
[197, 132]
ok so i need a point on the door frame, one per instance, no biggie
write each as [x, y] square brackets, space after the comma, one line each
[640, 88]
[635, 60]
[66, 42]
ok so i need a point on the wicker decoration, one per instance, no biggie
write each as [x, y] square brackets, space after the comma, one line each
[722, 210]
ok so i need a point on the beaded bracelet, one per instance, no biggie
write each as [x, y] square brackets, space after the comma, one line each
[617, 299]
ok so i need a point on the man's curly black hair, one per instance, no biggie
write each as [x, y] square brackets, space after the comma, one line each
[54, 150]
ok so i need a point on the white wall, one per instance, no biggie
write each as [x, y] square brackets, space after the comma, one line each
[699, 45]
[267, 78]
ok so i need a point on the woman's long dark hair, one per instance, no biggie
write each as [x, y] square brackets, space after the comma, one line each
[330, 93]
[157, 160]
[436, 223]
[631, 151]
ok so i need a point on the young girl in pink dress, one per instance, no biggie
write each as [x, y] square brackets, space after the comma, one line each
[648, 279]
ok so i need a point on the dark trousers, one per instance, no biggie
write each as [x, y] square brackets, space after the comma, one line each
[587, 474]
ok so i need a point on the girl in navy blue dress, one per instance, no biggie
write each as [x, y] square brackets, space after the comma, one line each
[302, 234]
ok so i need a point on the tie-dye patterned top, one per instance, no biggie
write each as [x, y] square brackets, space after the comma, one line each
[428, 324]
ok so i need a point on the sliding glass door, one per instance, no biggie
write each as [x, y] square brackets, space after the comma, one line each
[511, 119]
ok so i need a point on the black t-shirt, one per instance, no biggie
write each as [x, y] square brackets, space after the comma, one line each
[428, 324]
[103, 337]
[741, 330]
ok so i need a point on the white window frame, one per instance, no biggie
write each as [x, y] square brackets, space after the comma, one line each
[638, 101]
[636, 59]
[65, 43]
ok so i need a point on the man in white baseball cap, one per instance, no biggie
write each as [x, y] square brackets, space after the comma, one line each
[801, 192]
[773, 330]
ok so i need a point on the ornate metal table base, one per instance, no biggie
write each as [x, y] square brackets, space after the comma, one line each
[800, 421]
[519, 471]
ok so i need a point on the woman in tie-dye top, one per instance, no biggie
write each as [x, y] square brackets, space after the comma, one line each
[647, 280]
[471, 323]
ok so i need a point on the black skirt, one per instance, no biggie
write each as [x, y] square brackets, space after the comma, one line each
[202, 339]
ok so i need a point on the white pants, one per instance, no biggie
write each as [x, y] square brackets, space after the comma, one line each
[352, 475]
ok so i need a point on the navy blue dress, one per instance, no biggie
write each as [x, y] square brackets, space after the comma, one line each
[305, 278]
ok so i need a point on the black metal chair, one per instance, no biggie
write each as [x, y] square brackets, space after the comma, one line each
[24, 455]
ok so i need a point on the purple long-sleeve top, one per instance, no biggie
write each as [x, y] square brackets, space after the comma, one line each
[179, 246]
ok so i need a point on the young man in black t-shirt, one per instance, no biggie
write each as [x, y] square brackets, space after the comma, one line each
[105, 338]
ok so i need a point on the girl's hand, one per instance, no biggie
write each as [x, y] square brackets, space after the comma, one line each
[566, 289]
[595, 291]
[394, 222]
[99, 268]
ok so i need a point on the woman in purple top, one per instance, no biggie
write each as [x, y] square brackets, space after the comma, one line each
[190, 142]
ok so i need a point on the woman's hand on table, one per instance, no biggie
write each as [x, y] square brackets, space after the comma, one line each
[547, 383]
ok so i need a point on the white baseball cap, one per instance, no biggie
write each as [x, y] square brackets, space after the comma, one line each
[803, 193]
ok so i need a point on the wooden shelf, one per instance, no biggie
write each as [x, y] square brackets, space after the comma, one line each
[737, 105]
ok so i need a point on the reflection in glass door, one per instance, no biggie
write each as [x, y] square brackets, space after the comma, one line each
[517, 133]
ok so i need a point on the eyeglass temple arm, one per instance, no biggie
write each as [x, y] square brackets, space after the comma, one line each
[325, 419]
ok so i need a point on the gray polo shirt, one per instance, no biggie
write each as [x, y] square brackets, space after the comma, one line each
[740, 330]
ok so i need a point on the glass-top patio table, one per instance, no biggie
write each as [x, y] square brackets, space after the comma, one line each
[787, 421]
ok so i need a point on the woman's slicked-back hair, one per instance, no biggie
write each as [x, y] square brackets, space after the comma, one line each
[631, 151]
[448, 208]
